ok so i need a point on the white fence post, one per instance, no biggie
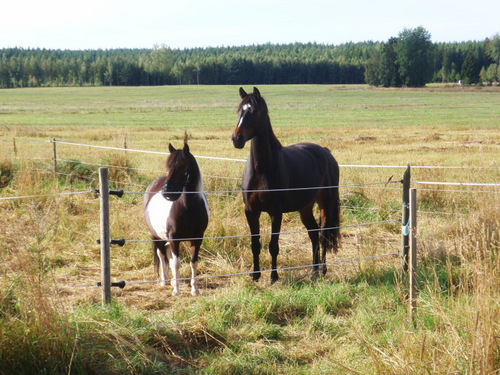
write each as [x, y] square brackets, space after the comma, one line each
[405, 215]
[413, 253]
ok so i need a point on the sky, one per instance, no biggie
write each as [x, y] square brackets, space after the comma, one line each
[110, 24]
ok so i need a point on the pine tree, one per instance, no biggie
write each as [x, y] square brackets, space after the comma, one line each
[414, 57]
[470, 70]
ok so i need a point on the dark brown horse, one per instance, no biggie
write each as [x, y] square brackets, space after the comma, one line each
[298, 176]
[175, 208]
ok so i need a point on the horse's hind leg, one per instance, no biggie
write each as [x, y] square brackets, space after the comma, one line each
[307, 218]
[274, 248]
[330, 221]
[195, 248]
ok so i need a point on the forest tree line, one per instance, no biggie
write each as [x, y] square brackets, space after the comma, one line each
[412, 60]
[376, 63]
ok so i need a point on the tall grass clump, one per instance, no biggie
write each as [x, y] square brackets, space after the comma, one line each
[7, 172]
[74, 172]
[477, 288]
[457, 326]
[36, 335]
[121, 169]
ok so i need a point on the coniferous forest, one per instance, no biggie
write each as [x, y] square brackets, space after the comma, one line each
[390, 63]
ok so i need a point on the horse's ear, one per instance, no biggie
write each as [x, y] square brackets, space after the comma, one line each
[256, 92]
[186, 148]
[243, 94]
[171, 148]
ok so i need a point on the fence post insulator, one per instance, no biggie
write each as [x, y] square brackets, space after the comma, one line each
[119, 284]
[119, 242]
[119, 193]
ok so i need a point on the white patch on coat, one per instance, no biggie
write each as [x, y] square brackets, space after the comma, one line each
[158, 210]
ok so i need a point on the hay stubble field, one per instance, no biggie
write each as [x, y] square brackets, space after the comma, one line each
[355, 320]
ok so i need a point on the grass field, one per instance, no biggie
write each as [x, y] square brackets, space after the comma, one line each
[355, 320]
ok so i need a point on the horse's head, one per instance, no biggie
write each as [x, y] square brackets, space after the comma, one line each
[252, 113]
[178, 166]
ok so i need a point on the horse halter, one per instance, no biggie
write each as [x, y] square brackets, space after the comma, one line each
[173, 190]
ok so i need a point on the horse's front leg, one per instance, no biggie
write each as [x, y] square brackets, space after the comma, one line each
[253, 222]
[195, 248]
[174, 262]
[161, 262]
[274, 248]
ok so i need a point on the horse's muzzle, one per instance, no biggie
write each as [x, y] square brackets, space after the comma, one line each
[238, 140]
[171, 191]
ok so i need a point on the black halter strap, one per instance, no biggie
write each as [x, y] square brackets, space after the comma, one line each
[172, 191]
[186, 178]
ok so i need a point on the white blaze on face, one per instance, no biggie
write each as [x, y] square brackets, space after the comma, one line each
[245, 108]
[158, 211]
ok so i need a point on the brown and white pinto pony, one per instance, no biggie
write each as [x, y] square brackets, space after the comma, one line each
[176, 209]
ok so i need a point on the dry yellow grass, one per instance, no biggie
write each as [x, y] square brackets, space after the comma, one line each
[48, 250]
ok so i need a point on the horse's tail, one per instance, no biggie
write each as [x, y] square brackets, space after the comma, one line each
[330, 215]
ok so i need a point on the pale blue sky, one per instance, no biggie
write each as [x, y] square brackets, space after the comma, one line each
[106, 24]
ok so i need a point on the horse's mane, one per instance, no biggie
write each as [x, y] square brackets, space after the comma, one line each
[257, 101]
[180, 157]
[175, 159]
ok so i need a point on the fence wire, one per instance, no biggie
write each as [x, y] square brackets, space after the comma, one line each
[46, 195]
[250, 272]
[270, 234]
[244, 160]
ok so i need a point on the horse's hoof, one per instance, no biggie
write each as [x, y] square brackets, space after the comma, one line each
[163, 283]
[315, 276]
[175, 293]
[195, 293]
[274, 278]
[256, 276]
[323, 270]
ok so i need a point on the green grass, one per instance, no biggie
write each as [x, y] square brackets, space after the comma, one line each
[355, 320]
[214, 106]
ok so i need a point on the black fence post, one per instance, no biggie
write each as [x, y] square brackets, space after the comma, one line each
[105, 237]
